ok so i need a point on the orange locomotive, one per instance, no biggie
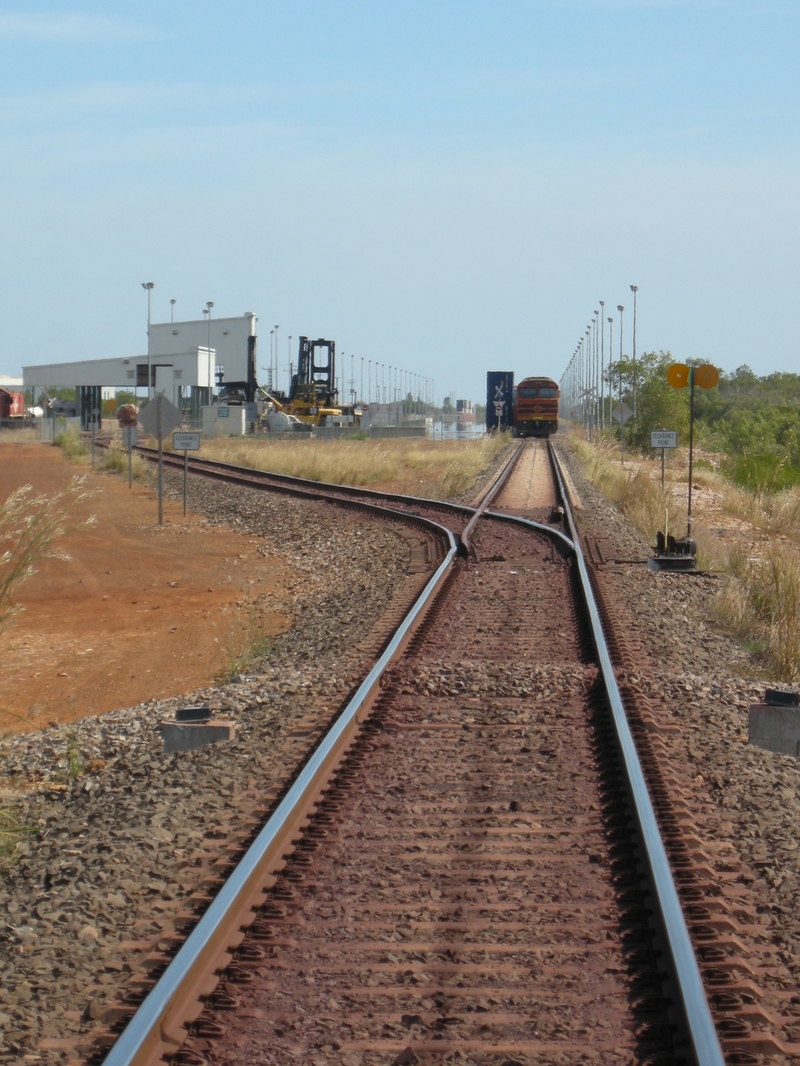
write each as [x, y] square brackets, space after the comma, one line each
[536, 408]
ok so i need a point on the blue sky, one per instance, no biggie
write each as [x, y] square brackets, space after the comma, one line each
[445, 187]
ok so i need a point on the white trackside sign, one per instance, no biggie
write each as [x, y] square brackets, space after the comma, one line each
[664, 438]
[185, 442]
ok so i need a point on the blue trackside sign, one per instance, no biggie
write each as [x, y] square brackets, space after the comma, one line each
[499, 399]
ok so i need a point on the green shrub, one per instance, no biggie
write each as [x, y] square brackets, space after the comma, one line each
[72, 444]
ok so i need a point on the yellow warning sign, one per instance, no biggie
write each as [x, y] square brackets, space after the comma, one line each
[706, 376]
[678, 375]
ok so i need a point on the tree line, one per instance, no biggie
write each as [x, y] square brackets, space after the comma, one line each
[754, 420]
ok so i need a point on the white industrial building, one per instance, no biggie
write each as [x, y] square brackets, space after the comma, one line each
[184, 357]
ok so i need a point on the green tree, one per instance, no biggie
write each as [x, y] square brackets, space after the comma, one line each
[658, 404]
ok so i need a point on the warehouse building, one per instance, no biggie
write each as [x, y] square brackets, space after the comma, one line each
[187, 361]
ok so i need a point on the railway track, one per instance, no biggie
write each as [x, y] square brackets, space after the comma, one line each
[468, 865]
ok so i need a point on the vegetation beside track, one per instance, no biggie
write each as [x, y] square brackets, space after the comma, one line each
[416, 466]
[749, 536]
[753, 422]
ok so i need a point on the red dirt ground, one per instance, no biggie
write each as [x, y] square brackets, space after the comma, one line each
[139, 612]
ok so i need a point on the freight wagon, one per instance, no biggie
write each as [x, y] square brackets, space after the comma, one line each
[536, 408]
[12, 404]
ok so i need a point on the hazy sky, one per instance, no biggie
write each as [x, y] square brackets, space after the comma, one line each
[447, 187]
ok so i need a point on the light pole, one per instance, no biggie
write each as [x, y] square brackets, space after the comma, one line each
[595, 343]
[271, 359]
[361, 389]
[275, 383]
[602, 365]
[634, 290]
[587, 335]
[289, 350]
[369, 382]
[610, 361]
[172, 310]
[209, 305]
[148, 286]
[620, 308]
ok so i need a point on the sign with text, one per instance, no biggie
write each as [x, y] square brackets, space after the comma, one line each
[223, 412]
[664, 438]
[186, 442]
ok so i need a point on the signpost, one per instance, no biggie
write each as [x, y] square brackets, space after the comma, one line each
[94, 427]
[705, 377]
[130, 436]
[663, 439]
[185, 442]
[159, 418]
[621, 413]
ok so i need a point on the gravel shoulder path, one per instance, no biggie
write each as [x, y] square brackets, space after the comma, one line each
[122, 855]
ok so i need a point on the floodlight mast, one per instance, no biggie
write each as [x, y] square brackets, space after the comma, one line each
[148, 286]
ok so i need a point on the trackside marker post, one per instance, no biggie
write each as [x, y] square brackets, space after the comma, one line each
[159, 418]
[185, 442]
[705, 377]
[130, 436]
[663, 439]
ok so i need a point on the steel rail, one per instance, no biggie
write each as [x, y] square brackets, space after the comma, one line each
[700, 1025]
[155, 1028]
[224, 470]
[498, 483]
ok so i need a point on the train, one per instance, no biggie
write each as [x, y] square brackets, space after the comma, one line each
[529, 410]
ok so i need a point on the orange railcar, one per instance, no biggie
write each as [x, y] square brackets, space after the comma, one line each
[12, 404]
[536, 408]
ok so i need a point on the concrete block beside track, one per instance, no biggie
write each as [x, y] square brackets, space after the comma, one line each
[184, 736]
[775, 728]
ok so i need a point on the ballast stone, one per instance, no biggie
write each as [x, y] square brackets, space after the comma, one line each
[184, 736]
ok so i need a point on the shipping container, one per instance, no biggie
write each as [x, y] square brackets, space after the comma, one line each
[499, 399]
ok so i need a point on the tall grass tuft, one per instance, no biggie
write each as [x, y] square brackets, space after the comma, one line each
[250, 640]
[761, 605]
[72, 445]
[12, 834]
[115, 460]
[29, 528]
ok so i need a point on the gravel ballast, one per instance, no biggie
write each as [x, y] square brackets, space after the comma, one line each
[121, 834]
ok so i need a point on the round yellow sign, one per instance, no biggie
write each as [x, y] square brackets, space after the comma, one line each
[706, 376]
[678, 375]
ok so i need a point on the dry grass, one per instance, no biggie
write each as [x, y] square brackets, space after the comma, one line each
[20, 436]
[760, 600]
[115, 460]
[776, 514]
[437, 469]
[631, 487]
[761, 605]
[250, 640]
